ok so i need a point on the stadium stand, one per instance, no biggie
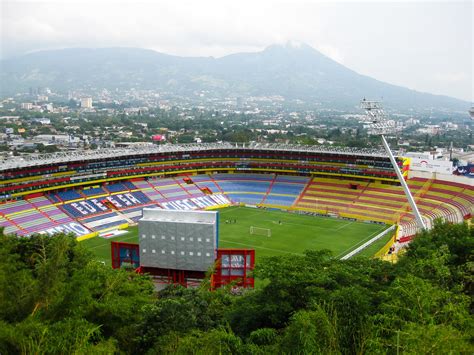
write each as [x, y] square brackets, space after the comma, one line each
[149, 190]
[206, 181]
[104, 221]
[135, 213]
[284, 190]
[116, 187]
[244, 188]
[116, 201]
[14, 207]
[10, 227]
[94, 191]
[279, 200]
[346, 182]
[128, 185]
[191, 189]
[69, 195]
[34, 215]
[54, 198]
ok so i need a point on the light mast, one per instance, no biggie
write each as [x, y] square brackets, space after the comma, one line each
[379, 125]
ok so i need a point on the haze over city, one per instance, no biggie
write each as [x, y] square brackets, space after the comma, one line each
[423, 45]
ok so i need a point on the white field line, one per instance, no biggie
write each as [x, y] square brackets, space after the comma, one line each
[352, 247]
[343, 226]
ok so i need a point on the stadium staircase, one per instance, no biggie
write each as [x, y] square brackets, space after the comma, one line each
[42, 212]
[183, 187]
[361, 191]
[417, 195]
[308, 184]
[269, 189]
[10, 223]
[149, 190]
[191, 189]
[215, 183]
[284, 191]
[244, 188]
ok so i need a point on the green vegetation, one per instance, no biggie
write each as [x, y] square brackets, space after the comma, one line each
[294, 235]
[55, 298]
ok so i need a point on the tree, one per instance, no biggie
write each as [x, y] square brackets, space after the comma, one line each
[445, 255]
[311, 332]
[55, 297]
[411, 303]
[216, 341]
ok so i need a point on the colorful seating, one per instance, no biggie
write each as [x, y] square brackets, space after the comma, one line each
[94, 191]
[116, 187]
[100, 207]
[244, 188]
[69, 195]
[103, 221]
[251, 199]
[14, 207]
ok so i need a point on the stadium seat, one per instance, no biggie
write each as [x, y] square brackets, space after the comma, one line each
[69, 195]
[95, 191]
[116, 187]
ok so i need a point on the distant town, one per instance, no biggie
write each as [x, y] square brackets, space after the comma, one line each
[44, 121]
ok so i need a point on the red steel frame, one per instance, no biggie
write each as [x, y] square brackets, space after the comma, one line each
[245, 280]
[115, 250]
[222, 274]
[171, 276]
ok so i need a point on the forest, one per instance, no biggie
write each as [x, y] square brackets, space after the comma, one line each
[55, 298]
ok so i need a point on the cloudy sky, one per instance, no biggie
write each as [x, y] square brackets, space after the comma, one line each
[423, 45]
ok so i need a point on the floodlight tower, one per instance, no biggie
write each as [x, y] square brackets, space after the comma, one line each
[379, 125]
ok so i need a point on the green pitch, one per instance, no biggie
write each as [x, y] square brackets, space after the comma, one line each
[291, 233]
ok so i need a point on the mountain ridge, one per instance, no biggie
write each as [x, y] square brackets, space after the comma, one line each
[292, 71]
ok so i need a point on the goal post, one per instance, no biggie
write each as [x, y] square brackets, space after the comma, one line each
[266, 232]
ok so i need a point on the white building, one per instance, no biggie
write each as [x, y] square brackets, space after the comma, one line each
[426, 162]
[430, 129]
[86, 102]
[27, 105]
[43, 120]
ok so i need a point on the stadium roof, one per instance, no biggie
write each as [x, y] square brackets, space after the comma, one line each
[84, 155]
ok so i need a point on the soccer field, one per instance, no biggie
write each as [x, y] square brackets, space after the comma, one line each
[291, 233]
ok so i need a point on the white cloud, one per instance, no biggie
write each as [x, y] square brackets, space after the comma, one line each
[407, 43]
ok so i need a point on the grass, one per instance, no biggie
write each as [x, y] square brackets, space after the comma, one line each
[373, 248]
[294, 235]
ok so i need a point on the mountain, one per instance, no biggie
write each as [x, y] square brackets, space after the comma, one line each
[292, 71]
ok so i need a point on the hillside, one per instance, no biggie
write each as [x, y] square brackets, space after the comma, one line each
[294, 72]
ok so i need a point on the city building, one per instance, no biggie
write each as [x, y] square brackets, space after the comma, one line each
[86, 102]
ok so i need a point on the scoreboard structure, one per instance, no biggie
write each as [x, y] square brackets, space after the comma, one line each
[179, 240]
[180, 247]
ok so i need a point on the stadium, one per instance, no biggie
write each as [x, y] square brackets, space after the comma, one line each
[273, 198]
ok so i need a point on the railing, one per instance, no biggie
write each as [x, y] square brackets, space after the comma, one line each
[366, 244]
